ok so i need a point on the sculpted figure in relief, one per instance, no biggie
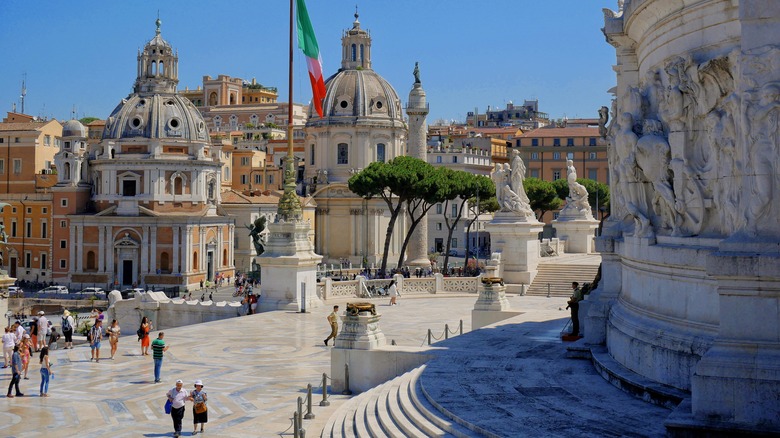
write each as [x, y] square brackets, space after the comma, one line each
[762, 181]
[628, 190]
[653, 156]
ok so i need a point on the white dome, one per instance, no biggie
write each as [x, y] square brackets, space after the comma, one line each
[156, 116]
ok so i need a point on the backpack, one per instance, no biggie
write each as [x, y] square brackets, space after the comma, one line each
[140, 333]
[66, 325]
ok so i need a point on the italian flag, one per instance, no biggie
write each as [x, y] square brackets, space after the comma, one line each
[308, 44]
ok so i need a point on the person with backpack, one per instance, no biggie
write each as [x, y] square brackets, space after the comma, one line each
[67, 329]
[94, 336]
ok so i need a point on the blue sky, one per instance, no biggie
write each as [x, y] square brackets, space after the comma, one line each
[471, 53]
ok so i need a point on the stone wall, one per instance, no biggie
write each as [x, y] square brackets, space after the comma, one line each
[329, 289]
[167, 313]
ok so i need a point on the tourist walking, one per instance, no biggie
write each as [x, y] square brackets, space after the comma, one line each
[146, 327]
[113, 337]
[177, 395]
[25, 351]
[9, 341]
[67, 328]
[46, 371]
[333, 319]
[19, 332]
[95, 335]
[200, 412]
[34, 333]
[158, 348]
[16, 373]
[43, 328]
[393, 292]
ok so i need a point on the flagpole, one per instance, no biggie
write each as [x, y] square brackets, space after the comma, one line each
[289, 205]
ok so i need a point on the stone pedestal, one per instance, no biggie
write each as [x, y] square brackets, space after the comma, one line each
[738, 379]
[578, 233]
[289, 263]
[594, 310]
[360, 332]
[5, 281]
[491, 306]
[516, 238]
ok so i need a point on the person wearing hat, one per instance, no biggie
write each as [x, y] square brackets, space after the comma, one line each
[67, 328]
[43, 327]
[200, 413]
[177, 395]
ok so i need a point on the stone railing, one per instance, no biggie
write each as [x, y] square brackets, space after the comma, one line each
[438, 284]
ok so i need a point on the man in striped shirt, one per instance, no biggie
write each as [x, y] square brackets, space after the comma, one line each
[158, 347]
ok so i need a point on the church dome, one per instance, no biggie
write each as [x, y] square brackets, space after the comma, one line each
[156, 116]
[155, 110]
[356, 91]
[74, 128]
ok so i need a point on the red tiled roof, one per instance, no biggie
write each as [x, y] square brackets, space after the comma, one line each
[561, 132]
[29, 126]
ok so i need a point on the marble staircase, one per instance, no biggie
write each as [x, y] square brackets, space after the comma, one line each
[396, 408]
[560, 277]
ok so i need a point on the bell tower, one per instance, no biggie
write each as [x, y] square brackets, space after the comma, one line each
[355, 47]
[158, 66]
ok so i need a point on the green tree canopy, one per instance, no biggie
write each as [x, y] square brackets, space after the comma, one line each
[542, 195]
[87, 120]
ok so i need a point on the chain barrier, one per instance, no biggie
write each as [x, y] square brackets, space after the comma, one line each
[429, 337]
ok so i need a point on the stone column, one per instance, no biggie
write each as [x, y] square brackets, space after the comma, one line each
[101, 248]
[417, 110]
[80, 249]
[144, 251]
[175, 250]
[72, 248]
[153, 251]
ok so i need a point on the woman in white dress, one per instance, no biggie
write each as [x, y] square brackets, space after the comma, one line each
[393, 292]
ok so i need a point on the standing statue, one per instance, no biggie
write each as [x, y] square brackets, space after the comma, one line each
[416, 73]
[3, 236]
[256, 232]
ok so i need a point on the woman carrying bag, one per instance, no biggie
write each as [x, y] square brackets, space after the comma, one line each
[200, 413]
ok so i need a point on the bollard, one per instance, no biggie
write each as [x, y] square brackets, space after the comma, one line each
[300, 412]
[309, 414]
[324, 401]
[392, 342]
[346, 390]
[548, 290]
[296, 429]
[429, 336]
[446, 331]
[460, 328]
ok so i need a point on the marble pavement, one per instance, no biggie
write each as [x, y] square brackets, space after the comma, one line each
[255, 367]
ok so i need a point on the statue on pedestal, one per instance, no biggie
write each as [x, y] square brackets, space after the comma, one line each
[577, 201]
[510, 192]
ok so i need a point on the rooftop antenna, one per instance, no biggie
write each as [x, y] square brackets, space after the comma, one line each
[24, 90]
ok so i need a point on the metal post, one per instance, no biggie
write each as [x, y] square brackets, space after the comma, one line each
[446, 331]
[548, 290]
[429, 336]
[296, 428]
[303, 299]
[346, 390]
[461, 326]
[324, 401]
[300, 412]
[309, 414]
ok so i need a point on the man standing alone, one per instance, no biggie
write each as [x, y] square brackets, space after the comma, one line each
[95, 335]
[158, 347]
[333, 319]
[43, 328]
[574, 305]
[16, 370]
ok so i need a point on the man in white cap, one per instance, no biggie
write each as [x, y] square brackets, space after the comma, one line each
[43, 328]
[177, 395]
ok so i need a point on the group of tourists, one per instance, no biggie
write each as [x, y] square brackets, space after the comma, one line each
[18, 349]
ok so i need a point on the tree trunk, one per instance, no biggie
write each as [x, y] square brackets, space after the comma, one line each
[389, 234]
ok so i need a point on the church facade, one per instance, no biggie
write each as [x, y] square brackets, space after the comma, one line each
[142, 206]
[362, 122]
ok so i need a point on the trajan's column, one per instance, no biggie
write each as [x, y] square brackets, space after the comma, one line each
[417, 110]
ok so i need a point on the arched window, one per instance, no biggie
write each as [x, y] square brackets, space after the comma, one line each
[66, 177]
[154, 68]
[213, 98]
[178, 186]
[195, 265]
[354, 53]
[362, 58]
[380, 152]
[165, 262]
[212, 191]
[343, 154]
[162, 68]
[91, 261]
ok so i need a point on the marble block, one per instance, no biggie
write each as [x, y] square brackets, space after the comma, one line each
[289, 263]
[577, 232]
[516, 239]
